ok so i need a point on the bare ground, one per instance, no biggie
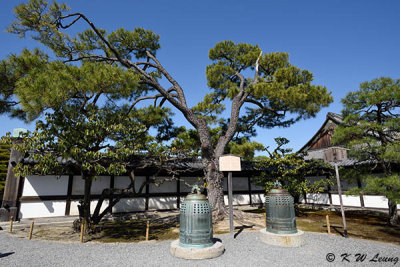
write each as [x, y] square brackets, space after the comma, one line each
[165, 226]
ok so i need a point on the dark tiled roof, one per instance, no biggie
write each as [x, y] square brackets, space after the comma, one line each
[335, 117]
[148, 164]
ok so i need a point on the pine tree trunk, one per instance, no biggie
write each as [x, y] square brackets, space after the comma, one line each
[215, 180]
[393, 216]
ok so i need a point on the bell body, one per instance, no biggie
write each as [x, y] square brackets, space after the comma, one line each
[280, 212]
[195, 222]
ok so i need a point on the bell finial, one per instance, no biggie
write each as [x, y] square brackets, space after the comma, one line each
[277, 184]
[196, 189]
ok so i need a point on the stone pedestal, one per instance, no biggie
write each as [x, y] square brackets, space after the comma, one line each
[197, 253]
[282, 240]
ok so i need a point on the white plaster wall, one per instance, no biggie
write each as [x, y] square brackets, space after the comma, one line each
[257, 198]
[226, 200]
[130, 205]
[166, 187]
[37, 209]
[100, 183]
[52, 185]
[318, 198]
[190, 181]
[74, 206]
[162, 203]
[353, 201]
[375, 202]
[238, 199]
[122, 182]
[242, 199]
[36, 185]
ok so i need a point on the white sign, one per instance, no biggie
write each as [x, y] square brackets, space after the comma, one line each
[229, 163]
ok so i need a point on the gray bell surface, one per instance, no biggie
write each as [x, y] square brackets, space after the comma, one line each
[195, 222]
[280, 212]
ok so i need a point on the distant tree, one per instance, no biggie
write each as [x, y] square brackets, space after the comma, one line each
[291, 170]
[371, 130]
[276, 94]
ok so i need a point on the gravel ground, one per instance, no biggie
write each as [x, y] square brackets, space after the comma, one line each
[245, 250]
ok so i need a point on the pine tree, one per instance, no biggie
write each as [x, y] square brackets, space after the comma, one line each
[371, 130]
[276, 94]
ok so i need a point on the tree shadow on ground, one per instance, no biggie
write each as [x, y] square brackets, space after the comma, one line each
[135, 230]
[241, 228]
[3, 255]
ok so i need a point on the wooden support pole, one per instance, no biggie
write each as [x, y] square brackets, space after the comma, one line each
[11, 223]
[230, 200]
[82, 230]
[147, 230]
[31, 231]
[341, 201]
[328, 225]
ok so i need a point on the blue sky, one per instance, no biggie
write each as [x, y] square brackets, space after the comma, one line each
[343, 43]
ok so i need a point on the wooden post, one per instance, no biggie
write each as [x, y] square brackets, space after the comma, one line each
[328, 225]
[82, 230]
[335, 155]
[31, 231]
[147, 230]
[341, 201]
[11, 223]
[230, 201]
[230, 163]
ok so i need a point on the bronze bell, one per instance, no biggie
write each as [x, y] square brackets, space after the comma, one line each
[280, 211]
[196, 229]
